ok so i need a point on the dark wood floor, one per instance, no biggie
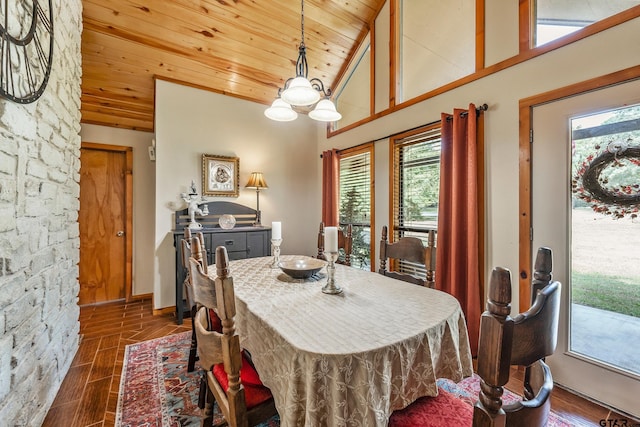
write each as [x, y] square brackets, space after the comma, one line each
[89, 394]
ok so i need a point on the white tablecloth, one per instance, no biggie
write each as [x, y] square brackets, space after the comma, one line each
[349, 359]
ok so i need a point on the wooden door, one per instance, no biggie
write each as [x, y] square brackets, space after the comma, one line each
[105, 223]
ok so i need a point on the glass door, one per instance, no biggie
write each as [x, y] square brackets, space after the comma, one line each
[586, 194]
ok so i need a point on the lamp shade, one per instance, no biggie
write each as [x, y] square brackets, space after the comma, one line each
[256, 180]
[300, 92]
[280, 111]
[325, 111]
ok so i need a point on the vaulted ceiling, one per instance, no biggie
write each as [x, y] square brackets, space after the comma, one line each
[242, 48]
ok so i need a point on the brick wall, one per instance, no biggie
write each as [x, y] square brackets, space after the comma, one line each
[39, 238]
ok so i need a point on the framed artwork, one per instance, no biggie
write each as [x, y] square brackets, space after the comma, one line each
[220, 175]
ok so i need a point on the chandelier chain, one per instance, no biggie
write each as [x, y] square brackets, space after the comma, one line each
[302, 21]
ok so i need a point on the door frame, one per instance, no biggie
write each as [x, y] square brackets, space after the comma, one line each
[526, 107]
[128, 211]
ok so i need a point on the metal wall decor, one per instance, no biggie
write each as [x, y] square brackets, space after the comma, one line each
[26, 49]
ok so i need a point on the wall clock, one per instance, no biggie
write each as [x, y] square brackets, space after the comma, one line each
[26, 48]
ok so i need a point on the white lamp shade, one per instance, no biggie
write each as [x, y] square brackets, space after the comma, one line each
[300, 92]
[325, 111]
[280, 111]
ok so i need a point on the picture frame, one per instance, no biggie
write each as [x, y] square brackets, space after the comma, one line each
[220, 175]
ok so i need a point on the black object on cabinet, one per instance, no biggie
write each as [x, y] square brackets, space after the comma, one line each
[242, 241]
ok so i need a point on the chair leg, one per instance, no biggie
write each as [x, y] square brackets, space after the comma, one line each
[193, 351]
[205, 402]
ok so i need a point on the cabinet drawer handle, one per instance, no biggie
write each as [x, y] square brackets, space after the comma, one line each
[228, 242]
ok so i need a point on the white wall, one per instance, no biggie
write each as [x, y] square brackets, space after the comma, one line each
[611, 50]
[143, 197]
[191, 122]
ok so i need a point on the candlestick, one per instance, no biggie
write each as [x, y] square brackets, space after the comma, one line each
[331, 287]
[276, 230]
[331, 239]
[275, 248]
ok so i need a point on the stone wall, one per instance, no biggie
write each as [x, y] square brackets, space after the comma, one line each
[39, 237]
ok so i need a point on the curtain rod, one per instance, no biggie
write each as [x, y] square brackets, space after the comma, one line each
[483, 107]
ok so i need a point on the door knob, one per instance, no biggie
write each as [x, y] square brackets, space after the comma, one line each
[120, 233]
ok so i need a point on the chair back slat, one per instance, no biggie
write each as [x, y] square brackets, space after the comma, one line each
[204, 292]
[209, 342]
[537, 328]
[409, 249]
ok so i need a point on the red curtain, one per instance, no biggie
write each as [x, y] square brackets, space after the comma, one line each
[457, 264]
[330, 189]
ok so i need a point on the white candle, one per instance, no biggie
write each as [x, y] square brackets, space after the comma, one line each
[276, 230]
[331, 239]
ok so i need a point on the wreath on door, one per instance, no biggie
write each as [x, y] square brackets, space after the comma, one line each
[592, 186]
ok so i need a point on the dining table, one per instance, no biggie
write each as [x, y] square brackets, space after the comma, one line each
[352, 358]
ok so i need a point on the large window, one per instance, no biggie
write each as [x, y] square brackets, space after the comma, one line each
[356, 201]
[353, 97]
[436, 44]
[555, 19]
[416, 185]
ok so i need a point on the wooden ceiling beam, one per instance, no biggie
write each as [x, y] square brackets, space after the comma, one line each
[92, 117]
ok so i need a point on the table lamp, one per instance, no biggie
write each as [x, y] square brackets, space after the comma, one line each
[256, 180]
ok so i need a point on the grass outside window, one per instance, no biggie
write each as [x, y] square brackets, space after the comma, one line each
[613, 293]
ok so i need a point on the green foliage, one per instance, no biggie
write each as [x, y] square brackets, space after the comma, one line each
[612, 293]
[420, 181]
[355, 210]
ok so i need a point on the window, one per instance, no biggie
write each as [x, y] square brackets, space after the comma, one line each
[353, 97]
[437, 44]
[556, 19]
[356, 201]
[416, 185]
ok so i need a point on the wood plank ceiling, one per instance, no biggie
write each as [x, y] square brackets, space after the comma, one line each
[241, 48]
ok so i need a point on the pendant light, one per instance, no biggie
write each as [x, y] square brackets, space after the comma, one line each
[299, 91]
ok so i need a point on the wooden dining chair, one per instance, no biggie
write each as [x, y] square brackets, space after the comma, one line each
[199, 254]
[345, 242]
[410, 250]
[230, 377]
[524, 340]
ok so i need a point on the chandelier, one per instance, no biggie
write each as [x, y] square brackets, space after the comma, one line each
[299, 91]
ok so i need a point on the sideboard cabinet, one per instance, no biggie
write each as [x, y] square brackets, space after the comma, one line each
[242, 241]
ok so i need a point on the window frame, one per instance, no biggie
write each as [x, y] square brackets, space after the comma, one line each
[393, 175]
[526, 52]
[366, 148]
[395, 142]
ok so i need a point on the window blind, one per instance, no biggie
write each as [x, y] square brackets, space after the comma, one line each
[416, 185]
[355, 203]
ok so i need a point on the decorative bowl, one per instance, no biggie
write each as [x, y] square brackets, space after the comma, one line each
[227, 221]
[301, 268]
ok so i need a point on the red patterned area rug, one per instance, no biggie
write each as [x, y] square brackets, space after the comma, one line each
[157, 391]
